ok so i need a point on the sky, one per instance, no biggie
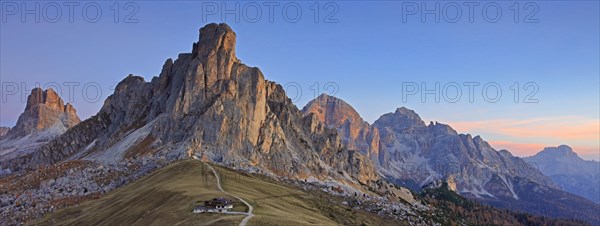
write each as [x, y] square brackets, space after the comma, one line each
[524, 78]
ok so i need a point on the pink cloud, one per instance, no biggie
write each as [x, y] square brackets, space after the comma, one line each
[517, 149]
[569, 127]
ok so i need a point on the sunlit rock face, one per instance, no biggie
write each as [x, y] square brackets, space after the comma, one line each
[356, 134]
[44, 110]
[45, 117]
[208, 104]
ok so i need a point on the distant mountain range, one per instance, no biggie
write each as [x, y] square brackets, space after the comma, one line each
[413, 154]
[569, 171]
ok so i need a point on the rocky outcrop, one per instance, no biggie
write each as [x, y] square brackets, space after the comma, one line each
[3, 131]
[44, 109]
[569, 171]
[45, 117]
[208, 104]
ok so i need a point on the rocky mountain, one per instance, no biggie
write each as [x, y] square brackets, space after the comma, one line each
[414, 154]
[405, 148]
[420, 153]
[208, 104]
[205, 104]
[569, 171]
[45, 117]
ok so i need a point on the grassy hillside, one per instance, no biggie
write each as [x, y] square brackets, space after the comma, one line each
[280, 204]
[167, 196]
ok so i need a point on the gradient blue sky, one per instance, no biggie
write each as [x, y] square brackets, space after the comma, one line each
[369, 53]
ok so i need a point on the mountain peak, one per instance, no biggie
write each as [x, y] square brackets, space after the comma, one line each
[332, 110]
[48, 97]
[43, 110]
[570, 171]
[407, 115]
[565, 147]
[562, 150]
[356, 134]
[400, 120]
[324, 98]
[405, 112]
[215, 38]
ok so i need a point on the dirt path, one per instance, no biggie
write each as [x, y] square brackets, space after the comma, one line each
[250, 207]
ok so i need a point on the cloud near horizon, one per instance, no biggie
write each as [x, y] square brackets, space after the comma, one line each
[529, 136]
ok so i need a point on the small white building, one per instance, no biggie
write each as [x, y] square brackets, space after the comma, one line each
[200, 209]
[216, 205]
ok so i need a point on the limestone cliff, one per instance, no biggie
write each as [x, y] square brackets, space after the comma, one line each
[44, 110]
[45, 117]
[208, 104]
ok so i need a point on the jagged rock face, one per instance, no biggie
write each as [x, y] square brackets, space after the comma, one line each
[45, 118]
[417, 154]
[4, 131]
[44, 109]
[356, 134]
[208, 104]
[422, 153]
[414, 155]
[569, 171]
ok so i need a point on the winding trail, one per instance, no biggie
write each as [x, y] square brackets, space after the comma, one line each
[250, 207]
